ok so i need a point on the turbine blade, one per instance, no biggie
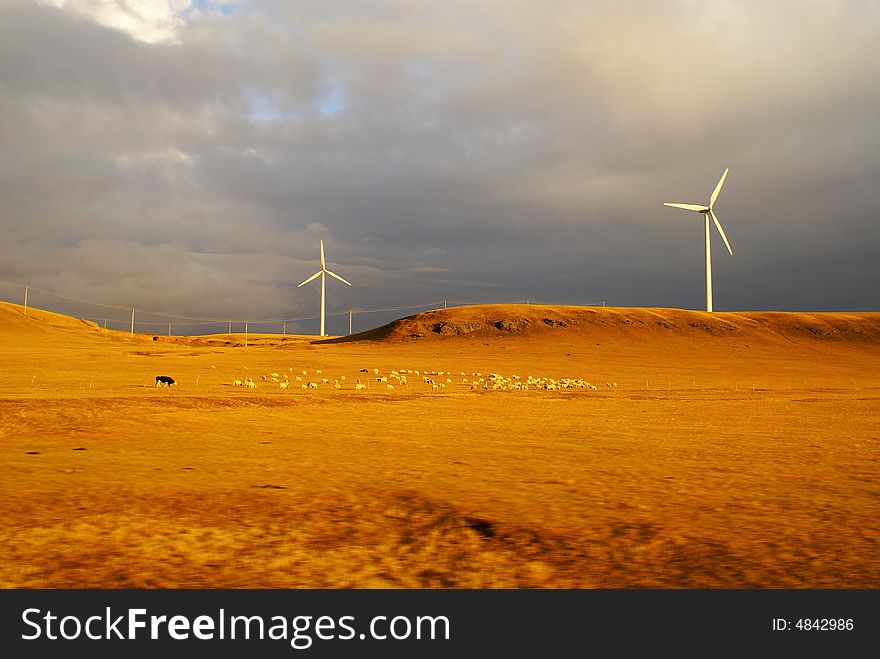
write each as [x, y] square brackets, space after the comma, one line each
[721, 231]
[314, 276]
[333, 274]
[322, 255]
[718, 188]
[688, 207]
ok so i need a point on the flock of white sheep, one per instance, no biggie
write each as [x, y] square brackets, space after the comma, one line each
[371, 379]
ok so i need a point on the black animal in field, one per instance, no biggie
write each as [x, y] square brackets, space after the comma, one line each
[164, 379]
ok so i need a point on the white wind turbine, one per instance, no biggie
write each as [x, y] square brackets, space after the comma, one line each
[321, 273]
[708, 211]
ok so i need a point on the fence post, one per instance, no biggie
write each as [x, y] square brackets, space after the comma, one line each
[245, 334]
[444, 304]
[132, 321]
[349, 322]
[25, 300]
[230, 328]
[284, 328]
[169, 329]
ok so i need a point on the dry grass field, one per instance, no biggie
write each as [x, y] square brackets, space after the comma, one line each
[737, 450]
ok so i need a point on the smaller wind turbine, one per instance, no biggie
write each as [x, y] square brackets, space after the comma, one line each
[708, 211]
[321, 273]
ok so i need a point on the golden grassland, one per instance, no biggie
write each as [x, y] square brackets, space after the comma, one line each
[736, 451]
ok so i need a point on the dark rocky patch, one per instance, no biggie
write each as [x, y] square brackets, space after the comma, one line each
[515, 325]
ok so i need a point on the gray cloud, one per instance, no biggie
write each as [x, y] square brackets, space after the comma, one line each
[478, 151]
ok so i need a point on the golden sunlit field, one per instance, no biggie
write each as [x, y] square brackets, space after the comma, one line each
[731, 450]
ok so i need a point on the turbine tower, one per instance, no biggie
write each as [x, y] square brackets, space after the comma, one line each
[321, 273]
[708, 211]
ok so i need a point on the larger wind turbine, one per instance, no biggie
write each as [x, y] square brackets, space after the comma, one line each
[321, 273]
[708, 211]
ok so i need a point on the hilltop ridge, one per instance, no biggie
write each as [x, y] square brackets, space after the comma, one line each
[544, 321]
[508, 322]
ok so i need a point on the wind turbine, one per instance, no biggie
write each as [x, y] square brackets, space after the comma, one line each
[321, 273]
[708, 211]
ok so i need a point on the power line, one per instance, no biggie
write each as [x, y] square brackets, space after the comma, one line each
[207, 320]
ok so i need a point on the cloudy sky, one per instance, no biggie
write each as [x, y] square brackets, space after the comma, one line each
[188, 156]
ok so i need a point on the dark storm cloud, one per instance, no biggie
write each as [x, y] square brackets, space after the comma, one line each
[190, 159]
